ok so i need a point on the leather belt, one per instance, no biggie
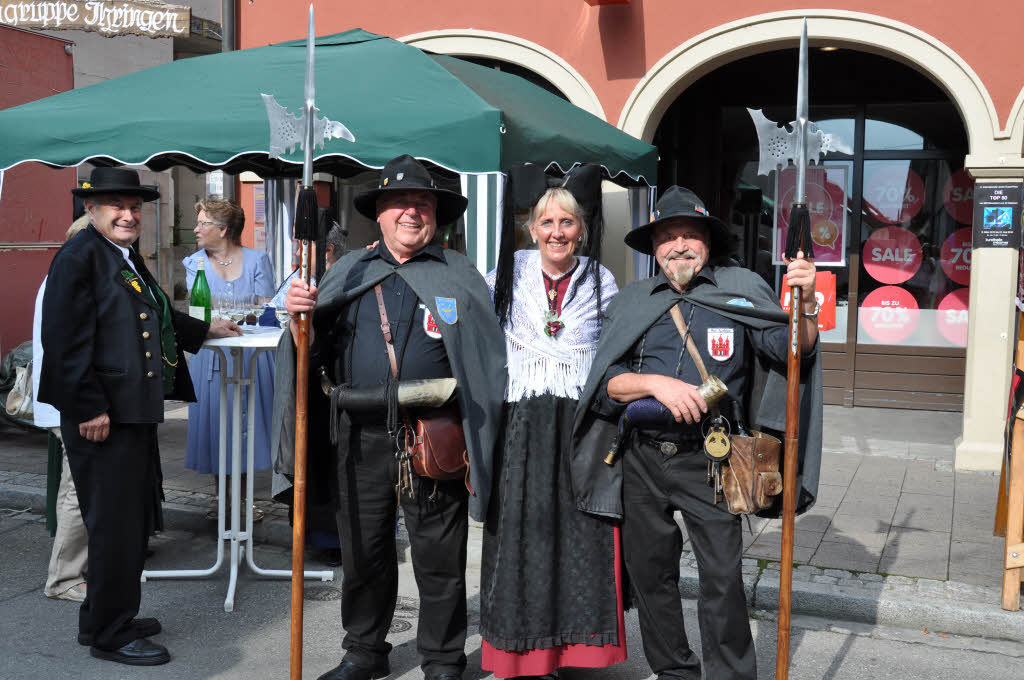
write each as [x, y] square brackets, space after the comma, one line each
[668, 447]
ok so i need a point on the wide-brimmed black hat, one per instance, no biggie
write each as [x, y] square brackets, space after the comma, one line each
[681, 202]
[116, 181]
[405, 173]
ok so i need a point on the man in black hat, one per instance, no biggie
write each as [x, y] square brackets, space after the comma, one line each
[114, 350]
[737, 324]
[442, 325]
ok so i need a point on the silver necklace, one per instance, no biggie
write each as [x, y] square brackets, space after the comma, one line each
[226, 263]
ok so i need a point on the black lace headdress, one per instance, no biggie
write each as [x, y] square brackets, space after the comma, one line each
[525, 186]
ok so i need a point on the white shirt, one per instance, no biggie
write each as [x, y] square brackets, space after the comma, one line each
[43, 415]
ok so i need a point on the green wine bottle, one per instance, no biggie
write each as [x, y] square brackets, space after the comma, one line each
[199, 301]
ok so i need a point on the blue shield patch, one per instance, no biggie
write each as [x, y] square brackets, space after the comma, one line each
[447, 310]
[740, 302]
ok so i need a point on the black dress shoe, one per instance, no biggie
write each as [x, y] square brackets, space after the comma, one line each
[447, 676]
[346, 670]
[145, 628]
[331, 557]
[139, 652]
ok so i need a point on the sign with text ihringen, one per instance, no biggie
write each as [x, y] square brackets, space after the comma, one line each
[139, 17]
[997, 215]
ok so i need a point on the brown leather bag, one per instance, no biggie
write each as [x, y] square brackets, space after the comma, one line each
[436, 444]
[751, 476]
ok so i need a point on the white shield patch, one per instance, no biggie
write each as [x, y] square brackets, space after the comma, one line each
[721, 343]
[429, 325]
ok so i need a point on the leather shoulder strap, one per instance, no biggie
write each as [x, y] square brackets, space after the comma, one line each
[691, 347]
[385, 328]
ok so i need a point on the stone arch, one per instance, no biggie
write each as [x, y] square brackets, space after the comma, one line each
[540, 60]
[1015, 124]
[703, 53]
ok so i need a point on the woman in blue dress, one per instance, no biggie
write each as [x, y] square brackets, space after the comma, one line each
[232, 271]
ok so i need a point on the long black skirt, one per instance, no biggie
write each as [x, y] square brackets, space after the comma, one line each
[548, 570]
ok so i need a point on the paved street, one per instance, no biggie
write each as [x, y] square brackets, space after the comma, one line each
[896, 563]
[37, 635]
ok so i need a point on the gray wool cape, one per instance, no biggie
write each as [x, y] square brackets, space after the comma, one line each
[473, 340]
[739, 294]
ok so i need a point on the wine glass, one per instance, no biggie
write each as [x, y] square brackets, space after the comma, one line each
[282, 316]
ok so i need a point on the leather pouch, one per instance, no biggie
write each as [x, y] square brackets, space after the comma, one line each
[751, 479]
[438, 446]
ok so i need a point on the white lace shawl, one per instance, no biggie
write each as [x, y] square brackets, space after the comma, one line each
[538, 364]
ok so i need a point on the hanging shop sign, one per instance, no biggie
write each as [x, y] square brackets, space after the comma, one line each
[955, 256]
[997, 215]
[893, 194]
[137, 17]
[826, 201]
[958, 196]
[889, 314]
[892, 255]
[824, 295]
[952, 318]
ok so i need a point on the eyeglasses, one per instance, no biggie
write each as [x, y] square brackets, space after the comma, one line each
[206, 225]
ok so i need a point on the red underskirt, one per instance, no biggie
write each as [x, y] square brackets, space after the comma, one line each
[506, 664]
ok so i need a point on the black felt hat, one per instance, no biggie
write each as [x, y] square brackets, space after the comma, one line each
[116, 181]
[681, 202]
[405, 173]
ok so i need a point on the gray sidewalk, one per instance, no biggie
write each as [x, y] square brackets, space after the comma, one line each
[897, 536]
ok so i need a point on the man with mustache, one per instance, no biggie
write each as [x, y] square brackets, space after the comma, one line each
[741, 335]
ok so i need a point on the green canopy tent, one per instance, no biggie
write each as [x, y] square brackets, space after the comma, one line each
[206, 114]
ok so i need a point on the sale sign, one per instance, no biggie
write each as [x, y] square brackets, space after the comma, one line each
[952, 318]
[889, 314]
[893, 194]
[826, 201]
[958, 196]
[955, 256]
[892, 255]
[824, 294]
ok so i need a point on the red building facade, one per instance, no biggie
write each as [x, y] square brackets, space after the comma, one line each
[925, 93]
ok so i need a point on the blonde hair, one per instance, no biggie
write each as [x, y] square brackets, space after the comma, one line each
[567, 202]
[225, 212]
[77, 226]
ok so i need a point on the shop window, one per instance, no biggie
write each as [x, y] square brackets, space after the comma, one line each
[915, 254]
[759, 244]
[913, 126]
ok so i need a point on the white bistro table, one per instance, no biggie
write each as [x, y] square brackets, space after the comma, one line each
[240, 541]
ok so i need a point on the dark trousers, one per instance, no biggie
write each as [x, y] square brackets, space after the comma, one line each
[438, 529]
[654, 486]
[114, 481]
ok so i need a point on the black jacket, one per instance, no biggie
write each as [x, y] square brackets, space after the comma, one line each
[472, 338]
[101, 338]
[738, 294]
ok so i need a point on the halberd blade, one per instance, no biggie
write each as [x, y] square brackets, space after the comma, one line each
[777, 144]
[287, 130]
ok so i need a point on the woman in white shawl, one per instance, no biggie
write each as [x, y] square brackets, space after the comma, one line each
[550, 589]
